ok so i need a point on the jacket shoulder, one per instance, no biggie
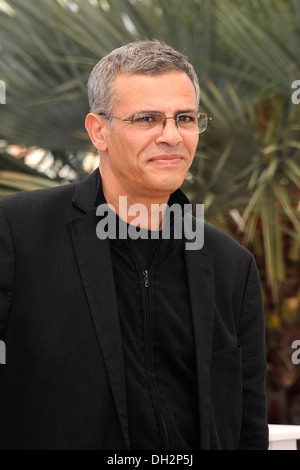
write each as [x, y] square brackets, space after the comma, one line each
[82, 193]
[25, 199]
[216, 238]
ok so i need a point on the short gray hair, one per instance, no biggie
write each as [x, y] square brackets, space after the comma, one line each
[141, 58]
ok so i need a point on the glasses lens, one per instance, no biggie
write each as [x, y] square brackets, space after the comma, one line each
[192, 123]
[202, 122]
[148, 120]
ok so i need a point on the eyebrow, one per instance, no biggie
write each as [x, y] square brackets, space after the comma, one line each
[176, 112]
[187, 111]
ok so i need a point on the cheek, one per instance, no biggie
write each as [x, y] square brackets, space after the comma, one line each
[189, 146]
[128, 153]
[192, 144]
[131, 140]
[138, 145]
[140, 141]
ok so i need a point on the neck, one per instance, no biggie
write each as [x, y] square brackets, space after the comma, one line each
[142, 211]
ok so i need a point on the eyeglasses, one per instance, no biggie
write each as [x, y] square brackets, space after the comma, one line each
[188, 123]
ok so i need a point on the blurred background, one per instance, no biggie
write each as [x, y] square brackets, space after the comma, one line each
[247, 166]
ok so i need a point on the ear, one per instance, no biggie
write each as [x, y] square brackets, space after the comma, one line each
[97, 130]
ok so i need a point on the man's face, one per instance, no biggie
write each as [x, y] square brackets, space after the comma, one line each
[143, 163]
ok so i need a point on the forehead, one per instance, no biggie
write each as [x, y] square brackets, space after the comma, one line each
[154, 92]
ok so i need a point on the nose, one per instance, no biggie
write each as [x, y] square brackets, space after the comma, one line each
[169, 133]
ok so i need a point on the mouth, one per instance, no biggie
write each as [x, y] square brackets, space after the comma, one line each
[166, 159]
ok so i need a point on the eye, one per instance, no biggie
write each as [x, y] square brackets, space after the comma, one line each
[187, 118]
[146, 119]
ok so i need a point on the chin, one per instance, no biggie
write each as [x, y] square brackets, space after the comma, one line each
[168, 186]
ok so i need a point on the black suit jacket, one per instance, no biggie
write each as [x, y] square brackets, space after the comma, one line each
[63, 384]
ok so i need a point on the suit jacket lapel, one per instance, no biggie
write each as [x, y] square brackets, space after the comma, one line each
[94, 261]
[202, 295]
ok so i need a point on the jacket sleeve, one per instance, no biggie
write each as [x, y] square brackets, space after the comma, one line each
[251, 331]
[6, 269]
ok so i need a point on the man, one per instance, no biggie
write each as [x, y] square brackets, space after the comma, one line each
[141, 342]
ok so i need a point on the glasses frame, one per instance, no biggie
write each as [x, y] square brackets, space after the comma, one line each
[130, 119]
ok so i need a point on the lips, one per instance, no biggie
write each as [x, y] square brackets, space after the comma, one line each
[166, 158]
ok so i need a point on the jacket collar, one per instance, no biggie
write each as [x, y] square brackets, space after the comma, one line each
[86, 193]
